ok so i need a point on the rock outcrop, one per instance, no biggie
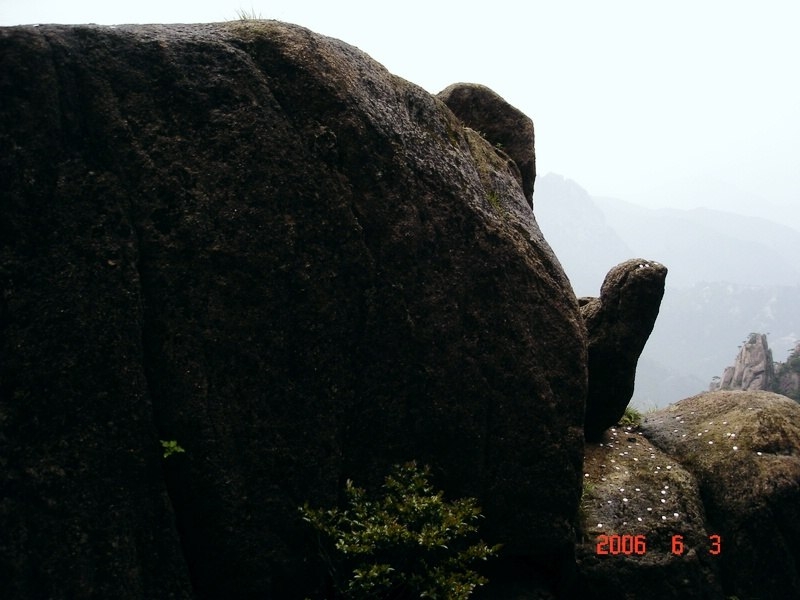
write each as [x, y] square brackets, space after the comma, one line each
[255, 241]
[787, 375]
[507, 128]
[743, 449]
[753, 368]
[701, 501]
[618, 324]
[634, 489]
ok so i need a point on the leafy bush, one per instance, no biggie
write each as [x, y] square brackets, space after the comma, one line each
[407, 543]
[171, 447]
[631, 417]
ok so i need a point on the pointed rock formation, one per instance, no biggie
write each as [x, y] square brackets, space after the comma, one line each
[618, 324]
[753, 368]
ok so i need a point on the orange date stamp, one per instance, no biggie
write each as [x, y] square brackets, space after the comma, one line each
[630, 545]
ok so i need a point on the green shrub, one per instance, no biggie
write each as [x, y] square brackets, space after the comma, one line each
[631, 417]
[407, 543]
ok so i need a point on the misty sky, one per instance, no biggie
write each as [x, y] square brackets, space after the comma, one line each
[681, 103]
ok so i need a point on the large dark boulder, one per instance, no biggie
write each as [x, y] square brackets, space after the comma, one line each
[743, 448]
[255, 241]
[618, 324]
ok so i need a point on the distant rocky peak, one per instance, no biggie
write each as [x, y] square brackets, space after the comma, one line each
[753, 368]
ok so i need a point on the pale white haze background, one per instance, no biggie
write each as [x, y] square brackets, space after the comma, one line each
[666, 105]
[682, 103]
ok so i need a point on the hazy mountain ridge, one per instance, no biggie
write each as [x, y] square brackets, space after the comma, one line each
[729, 275]
[701, 326]
[576, 228]
[708, 245]
[688, 192]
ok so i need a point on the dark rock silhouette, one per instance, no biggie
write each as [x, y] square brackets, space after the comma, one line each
[255, 241]
[506, 127]
[743, 448]
[618, 324]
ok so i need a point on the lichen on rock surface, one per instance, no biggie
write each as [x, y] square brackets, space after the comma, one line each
[506, 127]
[632, 488]
[744, 450]
[722, 471]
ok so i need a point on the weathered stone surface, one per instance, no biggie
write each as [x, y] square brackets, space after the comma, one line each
[618, 324]
[744, 450]
[723, 383]
[788, 384]
[255, 241]
[507, 128]
[632, 488]
[787, 375]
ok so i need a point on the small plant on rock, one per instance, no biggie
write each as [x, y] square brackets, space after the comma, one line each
[171, 447]
[407, 543]
[494, 200]
[631, 417]
[250, 15]
[587, 494]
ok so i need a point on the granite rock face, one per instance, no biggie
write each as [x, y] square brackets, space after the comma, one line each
[787, 375]
[255, 241]
[753, 368]
[618, 325]
[711, 487]
[743, 448]
[636, 499]
[507, 128]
